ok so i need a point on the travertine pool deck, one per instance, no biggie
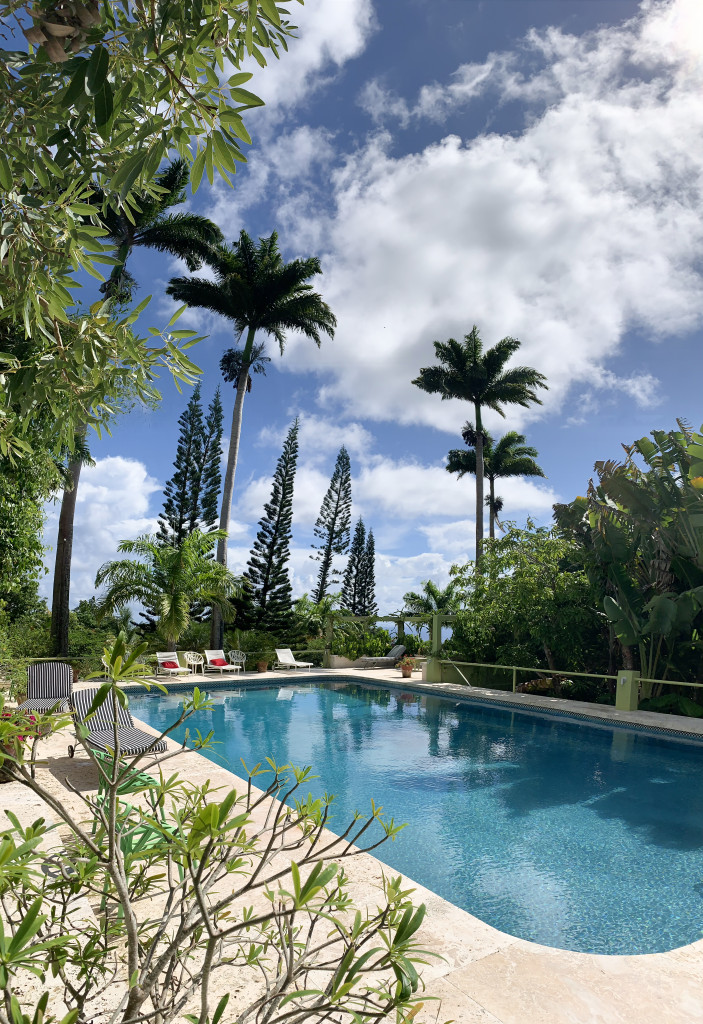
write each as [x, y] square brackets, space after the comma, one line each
[487, 977]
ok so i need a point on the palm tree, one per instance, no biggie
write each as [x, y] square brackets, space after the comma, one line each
[432, 600]
[510, 456]
[61, 589]
[169, 578]
[467, 372]
[186, 235]
[257, 291]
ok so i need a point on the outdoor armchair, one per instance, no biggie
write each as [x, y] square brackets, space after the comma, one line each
[49, 687]
[394, 655]
[287, 660]
[101, 726]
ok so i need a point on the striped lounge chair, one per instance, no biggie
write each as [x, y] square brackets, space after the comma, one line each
[101, 725]
[49, 687]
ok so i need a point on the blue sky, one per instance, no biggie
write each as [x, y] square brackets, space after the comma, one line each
[531, 166]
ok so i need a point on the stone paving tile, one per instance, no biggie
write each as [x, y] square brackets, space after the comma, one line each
[530, 984]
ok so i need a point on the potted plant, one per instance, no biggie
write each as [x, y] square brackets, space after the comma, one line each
[262, 665]
[406, 665]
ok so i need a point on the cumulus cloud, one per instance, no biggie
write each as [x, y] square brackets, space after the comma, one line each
[568, 234]
[112, 505]
[329, 35]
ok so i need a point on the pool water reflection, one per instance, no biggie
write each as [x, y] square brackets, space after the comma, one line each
[551, 829]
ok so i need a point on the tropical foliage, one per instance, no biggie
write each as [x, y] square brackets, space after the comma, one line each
[639, 536]
[466, 372]
[101, 95]
[188, 236]
[169, 578]
[530, 604]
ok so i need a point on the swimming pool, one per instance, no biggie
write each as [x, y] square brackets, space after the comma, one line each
[552, 829]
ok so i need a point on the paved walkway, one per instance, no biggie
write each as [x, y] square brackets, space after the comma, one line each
[486, 977]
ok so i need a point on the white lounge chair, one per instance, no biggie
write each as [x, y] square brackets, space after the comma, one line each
[168, 663]
[215, 661]
[286, 660]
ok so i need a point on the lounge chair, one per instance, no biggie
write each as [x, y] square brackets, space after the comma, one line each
[101, 726]
[168, 663]
[287, 660]
[49, 687]
[215, 661]
[394, 655]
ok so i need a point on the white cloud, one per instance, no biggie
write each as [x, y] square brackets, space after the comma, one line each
[566, 235]
[279, 170]
[319, 437]
[329, 34]
[112, 505]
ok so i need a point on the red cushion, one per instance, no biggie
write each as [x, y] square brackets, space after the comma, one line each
[170, 664]
[218, 661]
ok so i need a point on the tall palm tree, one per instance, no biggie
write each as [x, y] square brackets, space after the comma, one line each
[466, 372]
[186, 235]
[510, 456]
[257, 291]
[169, 578]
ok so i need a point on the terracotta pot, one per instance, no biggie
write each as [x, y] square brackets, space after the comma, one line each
[261, 666]
[406, 671]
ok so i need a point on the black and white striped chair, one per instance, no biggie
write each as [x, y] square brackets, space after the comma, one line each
[101, 726]
[49, 687]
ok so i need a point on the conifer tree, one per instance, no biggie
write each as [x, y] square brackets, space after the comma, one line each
[174, 521]
[207, 476]
[352, 577]
[332, 526]
[268, 603]
[367, 579]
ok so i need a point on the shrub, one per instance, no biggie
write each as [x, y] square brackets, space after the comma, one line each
[355, 640]
[190, 881]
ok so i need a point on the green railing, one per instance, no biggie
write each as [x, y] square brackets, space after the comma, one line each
[539, 671]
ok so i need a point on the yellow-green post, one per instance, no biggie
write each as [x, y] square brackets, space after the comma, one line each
[434, 665]
[329, 633]
[627, 690]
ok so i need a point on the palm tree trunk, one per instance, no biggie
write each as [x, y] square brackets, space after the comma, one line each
[217, 623]
[62, 565]
[479, 485]
[492, 509]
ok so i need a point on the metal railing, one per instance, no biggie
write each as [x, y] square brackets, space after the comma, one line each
[540, 671]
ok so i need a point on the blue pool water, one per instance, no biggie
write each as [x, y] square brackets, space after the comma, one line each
[548, 828]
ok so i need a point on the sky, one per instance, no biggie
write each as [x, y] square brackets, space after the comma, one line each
[533, 167]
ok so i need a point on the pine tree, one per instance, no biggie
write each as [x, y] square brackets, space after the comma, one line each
[332, 526]
[350, 586]
[174, 521]
[367, 579]
[271, 604]
[207, 478]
